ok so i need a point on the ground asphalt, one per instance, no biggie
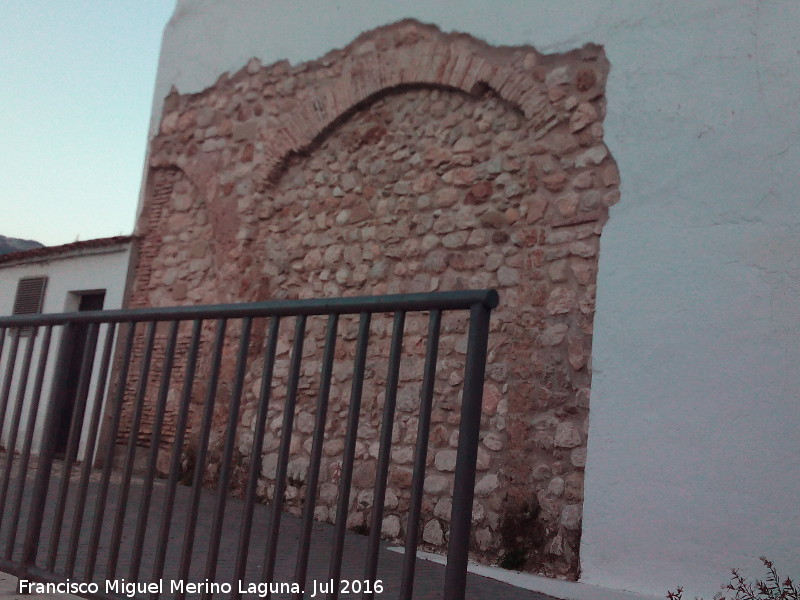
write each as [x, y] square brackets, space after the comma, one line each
[429, 578]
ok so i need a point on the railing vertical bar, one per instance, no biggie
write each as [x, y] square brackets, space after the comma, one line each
[127, 472]
[312, 480]
[200, 460]
[245, 528]
[91, 438]
[2, 345]
[155, 443]
[11, 446]
[10, 366]
[177, 452]
[73, 440]
[384, 453]
[45, 463]
[270, 553]
[16, 401]
[6, 393]
[283, 452]
[102, 493]
[30, 428]
[227, 455]
[420, 456]
[469, 430]
[351, 435]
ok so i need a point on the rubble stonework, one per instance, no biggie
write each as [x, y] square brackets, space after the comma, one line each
[409, 161]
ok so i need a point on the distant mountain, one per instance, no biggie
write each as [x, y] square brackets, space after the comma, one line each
[9, 244]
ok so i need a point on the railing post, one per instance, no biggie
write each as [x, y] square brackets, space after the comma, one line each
[455, 581]
[47, 449]
[480, 304]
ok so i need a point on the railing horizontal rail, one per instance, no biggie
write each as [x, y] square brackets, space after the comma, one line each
[305, 427]
[460, 300]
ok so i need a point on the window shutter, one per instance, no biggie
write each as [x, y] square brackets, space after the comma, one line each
[30, 296]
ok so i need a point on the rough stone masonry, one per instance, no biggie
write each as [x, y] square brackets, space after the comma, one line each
[411, 160]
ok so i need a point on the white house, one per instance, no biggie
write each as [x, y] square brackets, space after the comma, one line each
[87, 275]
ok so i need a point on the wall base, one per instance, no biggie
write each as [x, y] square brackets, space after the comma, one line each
[566, 590]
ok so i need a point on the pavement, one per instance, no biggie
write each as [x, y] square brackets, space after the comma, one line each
[8, 591]
[428, 580]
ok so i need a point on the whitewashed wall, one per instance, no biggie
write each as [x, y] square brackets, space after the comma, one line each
[104, 270]
[694, 450]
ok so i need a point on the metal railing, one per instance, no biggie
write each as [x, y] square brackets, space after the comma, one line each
[115, 389]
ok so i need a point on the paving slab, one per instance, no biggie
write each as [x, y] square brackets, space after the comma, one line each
[8, 591]
[429, 579]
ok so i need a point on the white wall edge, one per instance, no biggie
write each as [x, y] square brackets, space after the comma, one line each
[565, 590]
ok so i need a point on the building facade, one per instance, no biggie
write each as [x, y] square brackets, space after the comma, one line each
[88, 275]
[640, 427]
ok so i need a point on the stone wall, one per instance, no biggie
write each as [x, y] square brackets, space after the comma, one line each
[409, 161]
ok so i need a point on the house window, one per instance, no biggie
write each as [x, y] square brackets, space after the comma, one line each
[29, 298]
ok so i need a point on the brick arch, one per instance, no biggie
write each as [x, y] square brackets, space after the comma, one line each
[176, 216]
[407, 53]
[325, 91]
[274, 172]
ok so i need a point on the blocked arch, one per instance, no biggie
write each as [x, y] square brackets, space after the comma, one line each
[277, 171]
[421, 57]
[386, 60]
[537, 214]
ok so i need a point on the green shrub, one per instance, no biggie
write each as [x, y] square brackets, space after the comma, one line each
[770, 588]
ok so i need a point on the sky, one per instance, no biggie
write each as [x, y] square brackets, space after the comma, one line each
[76, 89]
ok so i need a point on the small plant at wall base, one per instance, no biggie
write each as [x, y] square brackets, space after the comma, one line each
[771, 588]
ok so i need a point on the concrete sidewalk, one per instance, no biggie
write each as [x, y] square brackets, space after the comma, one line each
[8, 586]
[8, 591]
[525, 583]
[429, 577]
[483, 582]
